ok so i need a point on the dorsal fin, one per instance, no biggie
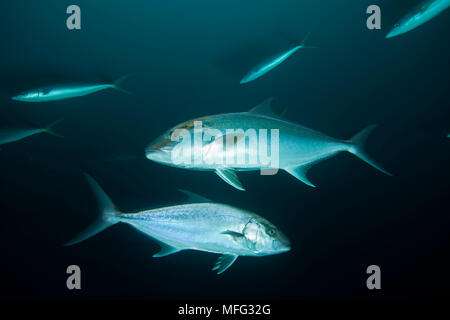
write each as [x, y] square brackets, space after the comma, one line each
[193, 197]
[265, 108]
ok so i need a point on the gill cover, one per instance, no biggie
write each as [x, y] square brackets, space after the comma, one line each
[251, 235]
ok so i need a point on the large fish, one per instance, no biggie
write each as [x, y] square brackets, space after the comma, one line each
[424, 12]
[269, 64]
[16, 133]
[67, 91]
[200, 225]
[298, 147]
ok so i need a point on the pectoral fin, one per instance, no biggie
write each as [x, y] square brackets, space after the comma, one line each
[233, 234]
[300, 173]
[230, 177]
[224, 262]
[165, 251]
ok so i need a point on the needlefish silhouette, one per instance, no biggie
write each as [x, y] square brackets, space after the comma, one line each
[67, 91]
[422, 13]
[269, 64]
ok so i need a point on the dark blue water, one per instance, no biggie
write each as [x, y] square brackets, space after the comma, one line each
[186, 60]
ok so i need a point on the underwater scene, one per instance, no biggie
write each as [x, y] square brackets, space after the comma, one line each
[224, 150]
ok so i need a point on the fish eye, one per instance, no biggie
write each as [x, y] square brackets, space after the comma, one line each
[272, 232]
[174, 135]
[396, 25]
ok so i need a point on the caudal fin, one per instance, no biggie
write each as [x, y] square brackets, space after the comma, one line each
[118, 84]
[356, 146]
[303, 44]
[49, 129]
[108, 214]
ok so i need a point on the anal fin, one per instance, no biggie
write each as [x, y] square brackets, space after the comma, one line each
[230, 177]
[300, 173]
[224, 262]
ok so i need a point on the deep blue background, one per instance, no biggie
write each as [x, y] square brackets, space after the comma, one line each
[187, 58]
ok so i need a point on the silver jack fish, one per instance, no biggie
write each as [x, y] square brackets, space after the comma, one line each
[298, 147]
[200, 225]
[62, 92]
[267, 65]
[424, 12]
[8, 135]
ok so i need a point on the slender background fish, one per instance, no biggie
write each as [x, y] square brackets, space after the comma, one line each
[17, 133]
[264, 67]
[200, 225]
[424, 12]
[67, 91]
[299, 147]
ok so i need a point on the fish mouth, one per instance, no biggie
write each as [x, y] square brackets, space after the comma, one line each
[287, 246]
[394, 32]
[157, 147]
[244, 80]
[284, 241]
[391, 34]
[286, 249]
[283, 245]
[149, 153]
[282, 248]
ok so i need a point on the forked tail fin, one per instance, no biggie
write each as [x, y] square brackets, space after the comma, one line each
[303, 43]
[49, 129]
[356, 146]
[108, 214]
[118, 84]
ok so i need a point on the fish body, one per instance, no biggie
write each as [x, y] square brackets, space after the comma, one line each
[264, 67]
[424, 12]
[298, 147]
[67, 91]
[297, 144]
[8, 135]
[16, 134]
[53, 93]
[269, 64]
[201, 225]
